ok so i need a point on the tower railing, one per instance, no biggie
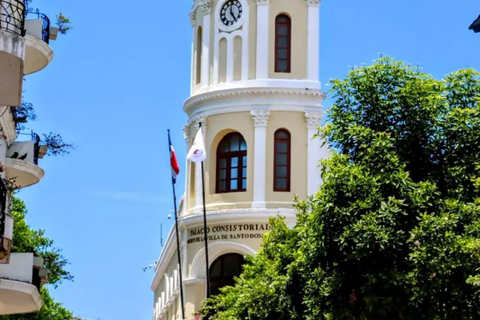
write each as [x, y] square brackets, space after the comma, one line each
[12, 16]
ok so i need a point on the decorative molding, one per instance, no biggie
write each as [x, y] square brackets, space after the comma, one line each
[203, 121]
[313, 2]
[262, 1]
[313, 119]
[193, 18]
[234, 93]
[260, 117]
[207, 6]
[186, 132]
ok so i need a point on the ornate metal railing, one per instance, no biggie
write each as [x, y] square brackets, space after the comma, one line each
[46, 23]
[36, 148]
[12, 16]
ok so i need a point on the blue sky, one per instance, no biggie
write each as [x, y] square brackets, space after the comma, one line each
[118, 82]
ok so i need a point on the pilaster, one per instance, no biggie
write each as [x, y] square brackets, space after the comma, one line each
[313, 43]
[260, 121]
[263, 18]
[315, 152]
[207, 13]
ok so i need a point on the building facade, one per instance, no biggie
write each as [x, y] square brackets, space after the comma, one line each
[24, 49]
[256, 94]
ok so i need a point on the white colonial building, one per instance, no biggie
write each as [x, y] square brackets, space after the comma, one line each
[256, 94]
[24, 49]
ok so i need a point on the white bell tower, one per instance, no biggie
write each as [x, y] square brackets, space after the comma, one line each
[255, 90]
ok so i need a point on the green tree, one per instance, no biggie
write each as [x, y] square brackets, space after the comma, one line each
[394, 231]
[25, 239]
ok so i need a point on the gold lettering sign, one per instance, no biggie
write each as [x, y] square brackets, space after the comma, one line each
[229, 232]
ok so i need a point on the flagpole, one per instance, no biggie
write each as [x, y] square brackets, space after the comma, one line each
[178, 235]
[205, 233]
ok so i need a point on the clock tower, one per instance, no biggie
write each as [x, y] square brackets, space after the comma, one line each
[256, 94]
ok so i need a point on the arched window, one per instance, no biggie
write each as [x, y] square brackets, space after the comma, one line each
[224, 270]
[282, 150]
[199, 56]
[283, 40]
[232, 164]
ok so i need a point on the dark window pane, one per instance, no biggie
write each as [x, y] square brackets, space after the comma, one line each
[244, 184]
[222, 186]
[223, 163]
[234, 174]
[233, 185]
[244, 160]
[234, 143]
[243, 146]
[282, 65]
[244, 172]
[282, 42]
[232, 266]
[281, 159]
[223, 174]
[280, 184]
[224, 147]
[282, 147]
[283, 18]
[281, 172]
[234, 162]
[282, 134]
[216, 270]
[282, 30]
[282, 53]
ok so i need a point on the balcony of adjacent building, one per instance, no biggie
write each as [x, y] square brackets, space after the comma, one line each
[22, 169]
[20, 283]
[38, 33]
[12, 51]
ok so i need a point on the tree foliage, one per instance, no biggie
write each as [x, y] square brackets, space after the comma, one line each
[394, 231]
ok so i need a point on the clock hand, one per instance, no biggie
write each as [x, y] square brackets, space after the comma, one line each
[231, 13]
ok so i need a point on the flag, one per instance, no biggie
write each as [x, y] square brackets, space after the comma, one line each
[173, 161]
[197, 152]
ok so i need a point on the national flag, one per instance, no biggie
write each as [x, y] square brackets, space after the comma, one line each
[173, 161]
[197, 152]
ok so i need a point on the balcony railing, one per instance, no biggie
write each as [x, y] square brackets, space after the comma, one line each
[36, 147]
[45, 26]
[12, 16]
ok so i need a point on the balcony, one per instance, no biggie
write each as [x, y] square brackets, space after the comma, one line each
[22, 162]
[38, 35]
[12, 50]
[20, 282]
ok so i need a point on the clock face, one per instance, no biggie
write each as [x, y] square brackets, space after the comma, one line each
[231, 12]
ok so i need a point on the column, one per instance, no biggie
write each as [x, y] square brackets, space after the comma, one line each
[315, 152]
[198, 167]
[186, 135]
[313, 51]
[193, 21]
[207, 10]
[230, 56]
[263, 22]
[260, 121]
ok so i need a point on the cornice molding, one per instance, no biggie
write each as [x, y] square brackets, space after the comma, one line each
[262, 1]
[242, 92]
[313, 119]
[260, 117]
